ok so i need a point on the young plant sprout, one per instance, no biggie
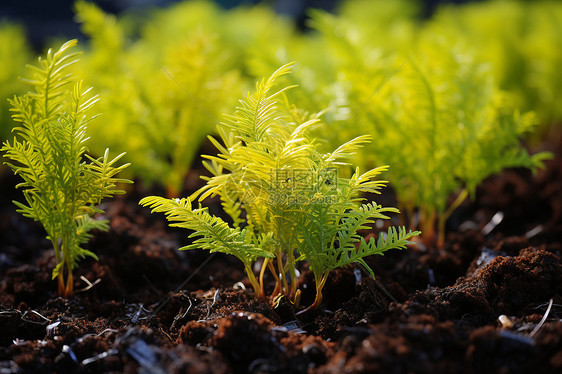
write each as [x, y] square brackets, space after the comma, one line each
[444, 123]
[60, 186]
[287, 201]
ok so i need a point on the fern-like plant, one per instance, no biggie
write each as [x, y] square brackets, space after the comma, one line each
[61, 183]
[174, 81]
[519, 39]
[443, 121]
[285, 198]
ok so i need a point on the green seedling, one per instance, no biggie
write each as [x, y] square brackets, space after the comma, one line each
[519, 40]
[166, 85]
[61, 183]
[443, 121]
[287, 201]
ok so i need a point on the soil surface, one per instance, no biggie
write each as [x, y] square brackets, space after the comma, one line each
[490, 301]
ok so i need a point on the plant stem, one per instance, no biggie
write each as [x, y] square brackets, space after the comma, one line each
[277, 280]
[427, 223]
[69, 288]
[253, 281]
[282, 277]
[445, 216]
[291, 270]
[61, 288]
[262, 272]
[60, 277]
[320, 282]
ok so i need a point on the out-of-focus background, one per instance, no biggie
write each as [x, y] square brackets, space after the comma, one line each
[47, 19]
[449, 91]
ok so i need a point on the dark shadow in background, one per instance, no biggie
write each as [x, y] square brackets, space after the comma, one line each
[44, 19]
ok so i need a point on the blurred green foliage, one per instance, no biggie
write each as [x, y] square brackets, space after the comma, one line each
[522, 43]
[447, 99]
[434, 109]
[14, 54]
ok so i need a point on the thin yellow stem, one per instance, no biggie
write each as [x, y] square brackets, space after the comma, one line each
[319, 287]
[291, 270]
[262, 272]
[297, 301]
[280, 268]
[320, 282]
[277, 280]
[445, 216]
[69, 289]
[253, 281]
[458, 201]
[60, 276]
[57, 250]
[61, 287]
[427, 222]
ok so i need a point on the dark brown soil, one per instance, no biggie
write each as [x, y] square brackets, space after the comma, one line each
[432, 311]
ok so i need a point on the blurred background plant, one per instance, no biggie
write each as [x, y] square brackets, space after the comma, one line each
[521, 41]
[433, 107]
[440, 122]
[166, 87]
[14, 55]
[442, 89]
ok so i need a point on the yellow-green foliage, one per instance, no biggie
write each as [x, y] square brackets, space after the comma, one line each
[161, 96]
[445, 99]
[164, 90]
[14, 54]
[61, 183]
[286, 199]
[238, 31]
[355, 42]
[449, 128]
[521, 40]
[435, 114]
[389, 25]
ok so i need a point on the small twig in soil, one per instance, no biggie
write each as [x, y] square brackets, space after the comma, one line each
[81, 339]
[178, 318]
[545, 304]
[101, 356]
[543, 319]
[534, 231]
[188, 308]
[107, 330]
[137, 316]
[37, 314]
[216, 298]
[490, 226]
[10, 313]
[166, 334]
[51, 329]
[89, 284]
